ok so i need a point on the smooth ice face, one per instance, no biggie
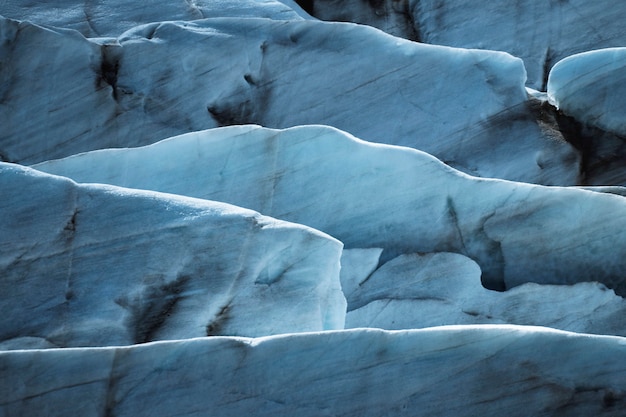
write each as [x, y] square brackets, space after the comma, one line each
[416, 291]
[467, 107]
[53, 91]
[94, 265]
[591, 87]
[448, 371]
[425, 277]
[381, 196]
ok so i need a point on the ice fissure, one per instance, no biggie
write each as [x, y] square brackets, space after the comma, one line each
[109, 69]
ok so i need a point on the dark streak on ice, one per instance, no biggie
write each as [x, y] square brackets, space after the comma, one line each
[215, 326]
[150, 309]
[109, 68]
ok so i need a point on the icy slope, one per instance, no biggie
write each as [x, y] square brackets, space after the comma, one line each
[109, 18]
[84, 264]
[590, 87]
[539, 32]
[93, 265]
[453, 371]
[468, 108]
[372, 195]
[416, 291]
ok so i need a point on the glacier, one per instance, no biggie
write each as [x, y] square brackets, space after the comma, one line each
[416, 291]
[109, 18]
[312, 207]
[408, 200]
[588, 87]
[458, 370]
[91, 265]
[541, 33]
[279, 74]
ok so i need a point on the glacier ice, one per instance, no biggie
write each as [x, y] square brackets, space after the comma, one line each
[135, 90]
[381, 196]
[356, 266]
[110, 18]
[95, 265]
[589, 87]
[459, 371]
[393, 16]
[88, 264]
[541, 33]
[416, 291]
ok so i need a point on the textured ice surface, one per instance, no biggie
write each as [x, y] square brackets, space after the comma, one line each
[373, 195]
[590, 87]
[539, 32]
[356, 266]
[110, 18]
[468, 108]
[459, 371]
[417, 291]
[94, 265]
[99, 265]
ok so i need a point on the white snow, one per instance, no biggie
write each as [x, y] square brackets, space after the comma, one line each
[94, 265]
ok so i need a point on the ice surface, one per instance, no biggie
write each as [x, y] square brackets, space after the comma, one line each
[541, 33]
[590, 87]
[381, 196]
[434, 276]
[468, 108]
[94, 265]
[417, 291]
[447, 371]
[393, 16]
[53, 92]
[356, 266]
[110, 18]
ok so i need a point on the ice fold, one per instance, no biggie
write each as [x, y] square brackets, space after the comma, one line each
[459, 370]
[381, 196]
[415, 291]
[541, 33]
[96, 265]
[469, 108]
[589, 87]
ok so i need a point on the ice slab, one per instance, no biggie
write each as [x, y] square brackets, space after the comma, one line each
[461, 371]
[541, 33]
[416, 291]
[110, 18]
[380, 196]
[95, 265]
[590, 87]
[469, 108]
